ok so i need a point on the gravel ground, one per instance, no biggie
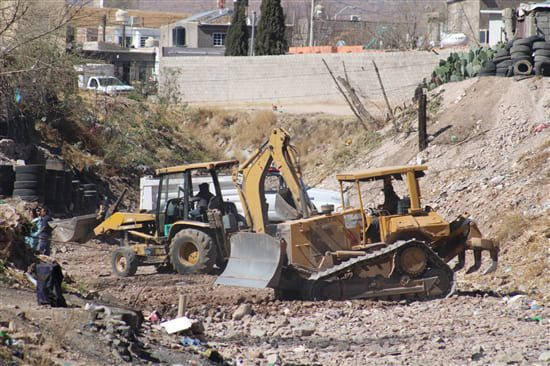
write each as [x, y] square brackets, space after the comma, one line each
[249, 326]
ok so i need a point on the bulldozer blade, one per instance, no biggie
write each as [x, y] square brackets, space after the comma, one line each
[255, 261]
[77, 229]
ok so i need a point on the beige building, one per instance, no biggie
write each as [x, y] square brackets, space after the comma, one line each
[480, 20]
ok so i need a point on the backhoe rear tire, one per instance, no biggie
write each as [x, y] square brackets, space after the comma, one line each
[192, 251]
[124, 262]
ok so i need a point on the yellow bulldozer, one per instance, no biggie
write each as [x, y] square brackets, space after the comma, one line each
[397, 249]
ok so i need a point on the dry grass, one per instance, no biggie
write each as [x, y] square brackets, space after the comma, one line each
[254, 130]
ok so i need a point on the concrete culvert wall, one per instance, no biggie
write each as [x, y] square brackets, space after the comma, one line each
[293, 78]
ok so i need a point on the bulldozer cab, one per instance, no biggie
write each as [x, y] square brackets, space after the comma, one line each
[188, 192]
[388, 217]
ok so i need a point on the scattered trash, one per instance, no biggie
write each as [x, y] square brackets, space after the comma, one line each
[193, 342]
[541, 127]
[212, 355]
[5, 339]
[510, 301]
[177, 325]
[154, 317]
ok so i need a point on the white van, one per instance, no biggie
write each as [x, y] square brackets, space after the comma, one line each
[273, 183]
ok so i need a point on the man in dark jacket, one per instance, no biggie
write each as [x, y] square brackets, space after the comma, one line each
[45, 232]
[202, 199]
[391, 199]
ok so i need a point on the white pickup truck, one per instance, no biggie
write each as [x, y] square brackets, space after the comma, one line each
[108, 85]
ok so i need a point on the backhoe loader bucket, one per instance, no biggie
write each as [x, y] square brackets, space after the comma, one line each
[77, 229]
[255, 261]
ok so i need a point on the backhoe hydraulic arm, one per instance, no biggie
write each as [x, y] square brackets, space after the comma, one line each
[250, 176]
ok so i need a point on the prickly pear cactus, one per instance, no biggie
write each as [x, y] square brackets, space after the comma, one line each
[459, 66]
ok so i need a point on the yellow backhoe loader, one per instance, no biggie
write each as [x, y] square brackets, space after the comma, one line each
[395, 250]
[188, 232]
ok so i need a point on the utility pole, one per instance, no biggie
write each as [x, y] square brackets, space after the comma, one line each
[103, 26]
[253, 35]
[311, 23]
[422, 133]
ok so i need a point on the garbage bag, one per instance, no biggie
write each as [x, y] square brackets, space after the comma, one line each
[48, 287]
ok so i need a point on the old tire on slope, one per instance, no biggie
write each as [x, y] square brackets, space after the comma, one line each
[528, 40]
[124, 262]
[192, 251]
[523, 68]
[542, 68]
[542, 59]
[545, 53]
[502, 52]
[542, 45]
[521, 48]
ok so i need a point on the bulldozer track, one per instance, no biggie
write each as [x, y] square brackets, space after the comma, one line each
[435, 261]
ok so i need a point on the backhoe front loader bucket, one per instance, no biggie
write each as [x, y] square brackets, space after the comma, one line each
[255, 261]
[77, 229]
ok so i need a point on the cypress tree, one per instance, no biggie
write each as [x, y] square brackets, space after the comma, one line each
[271, 39]
[236, 42]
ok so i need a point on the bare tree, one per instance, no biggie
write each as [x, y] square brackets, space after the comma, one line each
[25, 21]
[37, 78]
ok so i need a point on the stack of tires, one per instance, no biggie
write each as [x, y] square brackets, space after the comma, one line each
[90, 198]
[502, 62]
[76, 196]
[542, 58]
[7, 177]
[29, 182]
[521, 55]
[489, 69]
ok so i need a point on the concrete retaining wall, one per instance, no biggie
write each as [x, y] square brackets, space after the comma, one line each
[293, 78]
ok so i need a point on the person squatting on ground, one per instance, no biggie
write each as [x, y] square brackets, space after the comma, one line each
[32, 239]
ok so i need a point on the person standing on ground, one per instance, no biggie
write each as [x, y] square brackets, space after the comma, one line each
[45, 233]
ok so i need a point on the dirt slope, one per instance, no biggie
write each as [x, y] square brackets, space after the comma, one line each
[487, 159]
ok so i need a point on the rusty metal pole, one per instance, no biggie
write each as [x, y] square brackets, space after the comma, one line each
[422, 132]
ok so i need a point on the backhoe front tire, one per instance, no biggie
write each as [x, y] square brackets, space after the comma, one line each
[124, 262]
[192, 251]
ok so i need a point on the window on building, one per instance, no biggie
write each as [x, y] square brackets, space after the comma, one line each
[142, 41]
[178, 36]
[483, 36]
[218, 39]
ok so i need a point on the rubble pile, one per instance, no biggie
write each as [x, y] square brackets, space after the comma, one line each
[13, 227]
[118, 328]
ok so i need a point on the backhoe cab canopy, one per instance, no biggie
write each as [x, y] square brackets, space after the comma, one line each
[381, 173]
[212, 165]
[410, 173]
[179, 198]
